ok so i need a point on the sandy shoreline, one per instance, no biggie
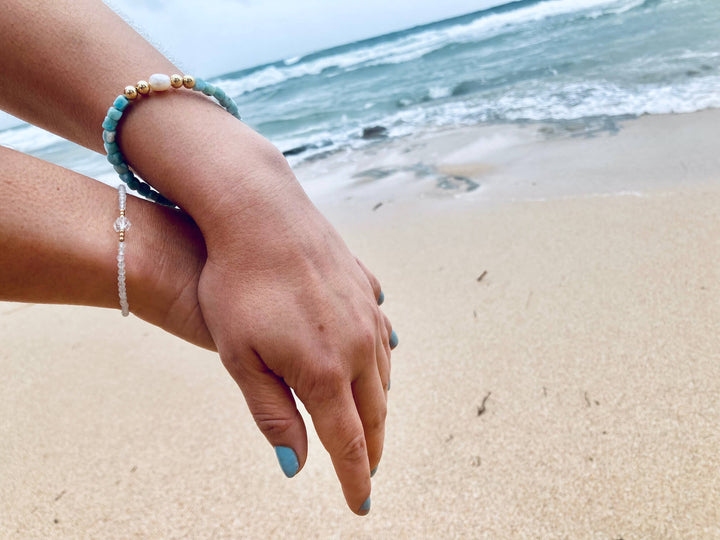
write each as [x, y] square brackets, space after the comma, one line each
[594, 331]
[520, 162]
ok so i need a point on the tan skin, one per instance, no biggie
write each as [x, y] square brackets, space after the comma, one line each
[57, 247]
[281, 297]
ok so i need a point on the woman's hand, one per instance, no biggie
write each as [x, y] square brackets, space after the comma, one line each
[290, 307]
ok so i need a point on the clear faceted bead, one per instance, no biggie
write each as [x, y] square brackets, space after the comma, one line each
[121, 224]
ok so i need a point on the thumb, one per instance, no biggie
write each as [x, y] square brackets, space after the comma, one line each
[273, 407]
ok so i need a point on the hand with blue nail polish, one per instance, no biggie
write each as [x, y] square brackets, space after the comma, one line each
[303, 315]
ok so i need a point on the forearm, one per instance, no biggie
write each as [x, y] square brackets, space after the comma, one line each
[57, 245]
[63, 64]
[64, 60]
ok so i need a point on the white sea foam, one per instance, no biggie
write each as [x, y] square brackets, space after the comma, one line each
[439, 92]
[410, 47]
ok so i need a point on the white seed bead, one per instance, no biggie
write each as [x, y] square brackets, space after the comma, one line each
[122, 197]
[159, 82]
[121, 225]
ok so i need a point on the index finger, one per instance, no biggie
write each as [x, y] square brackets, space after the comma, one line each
[340, 430]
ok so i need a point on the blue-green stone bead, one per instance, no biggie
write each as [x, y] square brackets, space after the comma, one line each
[114, 113]
[109, 136]
[121, 169]
[164, 201]
[232, 109]
[109, 124]
[144, 189]
[111, 148]
[219, 94]
[153, 196]
[133, 183]
[127, 177]
[121, 102]
[199, 85]
[209, 90]
[116, 158]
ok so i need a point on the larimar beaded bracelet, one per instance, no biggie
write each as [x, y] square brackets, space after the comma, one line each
[156, 83]
[121, 225]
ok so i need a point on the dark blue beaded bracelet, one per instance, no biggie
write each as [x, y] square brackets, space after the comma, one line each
[156, 83]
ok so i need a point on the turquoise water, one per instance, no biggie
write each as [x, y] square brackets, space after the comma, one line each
[530, 60]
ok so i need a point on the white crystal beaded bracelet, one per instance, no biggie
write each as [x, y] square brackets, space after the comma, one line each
[121, 225]
[156, 83]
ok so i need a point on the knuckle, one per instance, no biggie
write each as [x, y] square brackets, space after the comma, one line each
[354, 450]
[323, 385]
[376, 422]
[365, 340]
[273, 425]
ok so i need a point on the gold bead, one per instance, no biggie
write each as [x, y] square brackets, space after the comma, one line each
[122, 212]
[122, 236]
[143, 87]
[176, 81]
[188, 81]
[131, 92]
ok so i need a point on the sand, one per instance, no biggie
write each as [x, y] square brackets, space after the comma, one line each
[572, 392]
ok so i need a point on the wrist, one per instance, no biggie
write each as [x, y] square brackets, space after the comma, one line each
[165, 254]
[207, 162]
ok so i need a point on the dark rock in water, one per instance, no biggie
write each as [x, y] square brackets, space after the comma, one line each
[297, 150]
[375, 132]
[305, 147]
[456, 183]
[376, 174]
[468, 87]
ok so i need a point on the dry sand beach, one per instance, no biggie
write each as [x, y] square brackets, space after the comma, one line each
[558, 373]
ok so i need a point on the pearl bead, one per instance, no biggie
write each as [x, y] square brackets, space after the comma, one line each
[143, 87]
[159, 82]
[176, 81]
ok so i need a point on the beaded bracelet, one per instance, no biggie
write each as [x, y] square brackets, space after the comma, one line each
[156, 83]
[121, 225]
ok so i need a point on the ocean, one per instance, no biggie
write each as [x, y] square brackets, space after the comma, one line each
[574, 62]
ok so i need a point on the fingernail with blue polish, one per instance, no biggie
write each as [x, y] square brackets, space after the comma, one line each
[372, 473]
[381, 298]
[365, 508]
[288, 460]
[389, 380]
[393, 340]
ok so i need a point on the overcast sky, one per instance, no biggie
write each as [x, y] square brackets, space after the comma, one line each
[211, 37]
